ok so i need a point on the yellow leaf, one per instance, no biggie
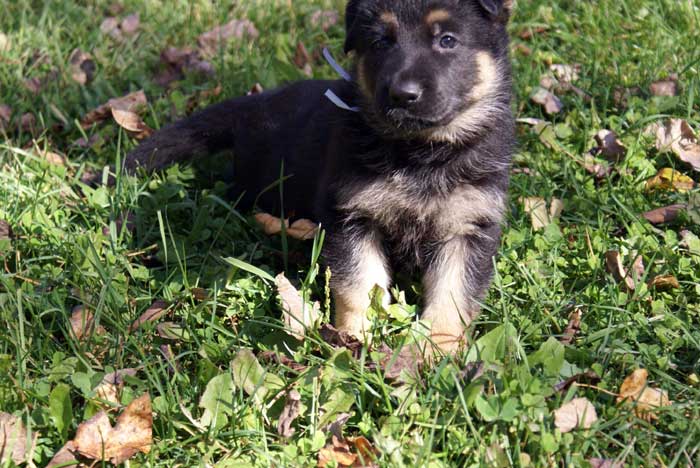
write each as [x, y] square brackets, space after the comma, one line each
[670, 179]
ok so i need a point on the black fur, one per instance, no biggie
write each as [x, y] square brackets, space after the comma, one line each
[408, 85]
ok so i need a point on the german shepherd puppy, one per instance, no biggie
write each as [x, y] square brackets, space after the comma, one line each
[416, 180]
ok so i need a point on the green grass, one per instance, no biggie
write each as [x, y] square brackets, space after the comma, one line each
[67, 251]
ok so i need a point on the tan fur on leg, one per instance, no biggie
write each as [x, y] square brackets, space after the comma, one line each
[352, 296]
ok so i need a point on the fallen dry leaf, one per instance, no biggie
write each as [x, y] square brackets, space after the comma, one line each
[301, 229]
[132, 433]
[609, 146]
[153, 313]
[130, 24]
[634, 389]
[5, 230]
[678, 137]
[614, 265]
[340, 339]
[211, 41]
[529, 32]
[13, 440]
[664, 282]
[670, 179]
[82, 67]
[604, 463]
[131, 122]
[290, 412]
[408, 358]
[179, 62]
[573, 327]
[667, 87]
[326, 19]
[110, 26]
[302, 59]
[5, 116]
[549, 102]
[665, 214]
[598, 168]
[565, 73]
[540, 217]
[64, 457]
[82, 322]
[297, 314]
[338, 451]
[112, 384]
[27, 122]
[132, 102]
[577, 413]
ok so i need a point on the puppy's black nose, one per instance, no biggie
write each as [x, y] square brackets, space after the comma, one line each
[405, 93]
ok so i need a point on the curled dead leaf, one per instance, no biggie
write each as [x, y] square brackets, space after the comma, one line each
[577, 413]
[211, 41]
[82, 67]
[291, 410]
[670, 179]
[668, 87]
[573, 327]
[130, 24]
[14, 445]
[677, 136]
[340, 339]
[548, 101]
[64, 457]
[665, 214]
[153, 313]
[609, 146]
[629, 278]
[132, 102]
[664, 282]
[302, 59]
[408, 358]
[132, 433]
[297, 314]
[179, 62]
[82, 323]
[131, 122]
[634, 389]
[340, 452]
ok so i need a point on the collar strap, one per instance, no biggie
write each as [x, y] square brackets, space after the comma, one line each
[330, 95]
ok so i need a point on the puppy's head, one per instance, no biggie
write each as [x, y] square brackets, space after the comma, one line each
[431, 69]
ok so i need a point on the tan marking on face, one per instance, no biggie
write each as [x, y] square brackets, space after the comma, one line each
[362, 80]
[437, 16]
[482, 104]
[352, 297]
[389, 19]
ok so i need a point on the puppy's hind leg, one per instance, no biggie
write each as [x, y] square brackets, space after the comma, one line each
[358, 263]
[454, 282]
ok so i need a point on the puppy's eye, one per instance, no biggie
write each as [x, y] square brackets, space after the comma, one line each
[448, 42]
[383, 43]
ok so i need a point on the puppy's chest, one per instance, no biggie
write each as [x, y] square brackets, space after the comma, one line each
[401, 207]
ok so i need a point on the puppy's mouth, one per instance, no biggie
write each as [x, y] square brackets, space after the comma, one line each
[405, 120]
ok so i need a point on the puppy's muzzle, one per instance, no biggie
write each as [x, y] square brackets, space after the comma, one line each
[405, 93]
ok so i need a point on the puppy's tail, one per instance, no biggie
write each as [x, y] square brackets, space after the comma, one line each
[206, 132]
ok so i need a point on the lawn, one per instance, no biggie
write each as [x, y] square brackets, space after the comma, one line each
[228, 386]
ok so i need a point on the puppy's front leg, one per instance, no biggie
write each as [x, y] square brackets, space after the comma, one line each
[455, 280]
[358, 263]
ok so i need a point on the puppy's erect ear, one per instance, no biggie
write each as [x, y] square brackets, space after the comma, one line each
[498, 8]
[351, 17]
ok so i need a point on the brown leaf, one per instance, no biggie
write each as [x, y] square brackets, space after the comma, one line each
[132, 102]
[271, 225]
[609, 146]
[5, 116]
[529, 32]
[550, 103]
[211, 41]
[298, 315]
[290, 412]
[364, 448]
[598, 168]
[132, 433]
[663, 215]
[13, 440]
[634, 389]
[326, 19]
[82, 67]
[523, 49]
[82, 323]
[604, 463]
[337, 451]
[110, 26]
[199, 294]
[130, 24]
[573, 327]
[53, 158]
[663, 282]
[302, 59]
[303, 229]
[112, 384]
[5, 230]
[131, 122]
[27, 122]
[577, 413]
[678, 137]
[614, 265]
[408, 359]
[179, 62]
[153, 313]
[565, 73]
[340, 339]
[670, 179]
[664, 88]
[65, 456]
